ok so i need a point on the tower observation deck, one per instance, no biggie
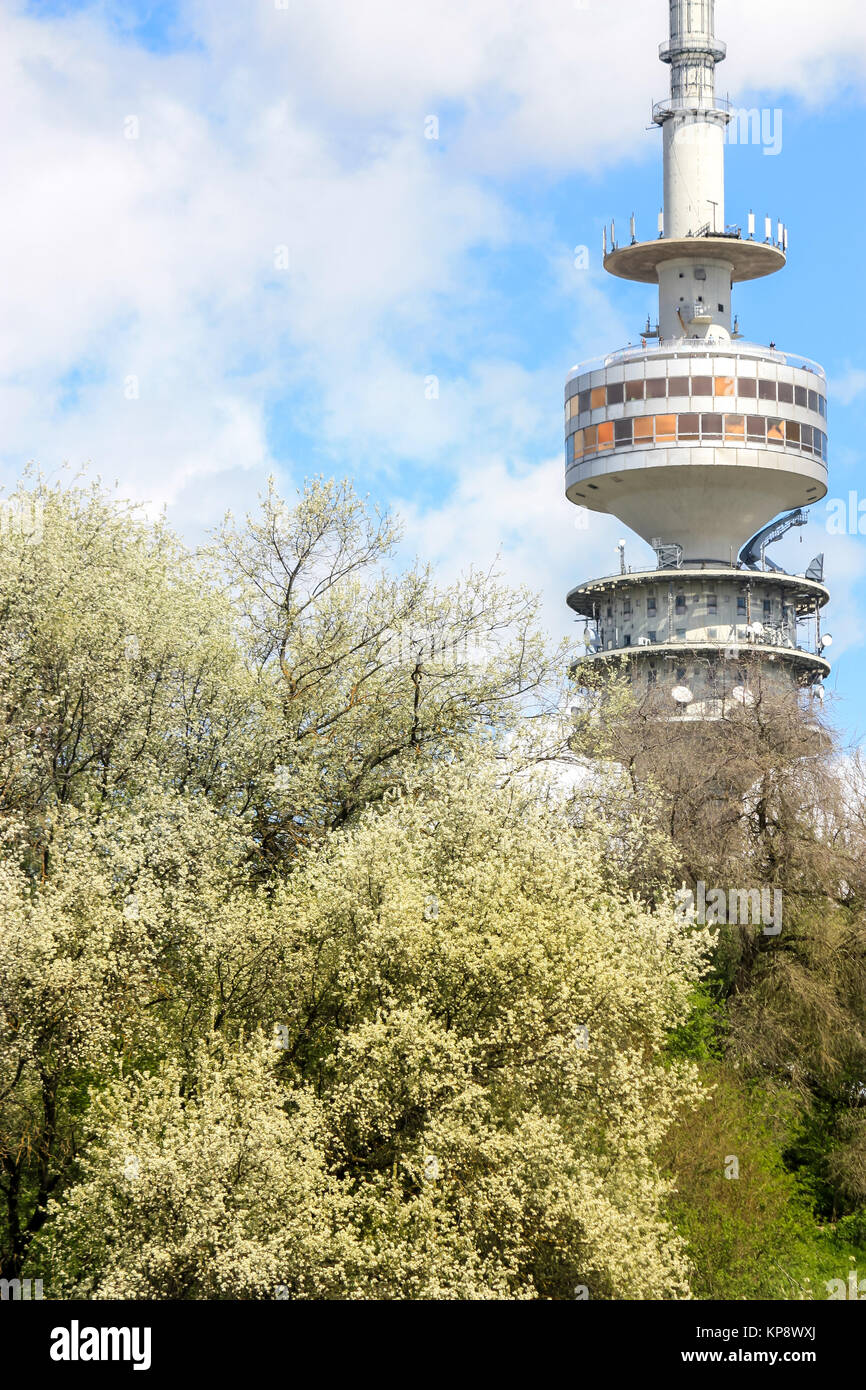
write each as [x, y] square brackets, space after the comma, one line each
[697, 439]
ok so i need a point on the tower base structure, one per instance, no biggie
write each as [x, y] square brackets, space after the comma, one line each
[703, 638]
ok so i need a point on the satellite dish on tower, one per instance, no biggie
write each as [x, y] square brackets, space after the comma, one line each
[743, 696]
[826, 641]
[682, 695]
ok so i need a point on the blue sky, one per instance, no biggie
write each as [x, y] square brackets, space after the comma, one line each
[231, 250]
[158, 27]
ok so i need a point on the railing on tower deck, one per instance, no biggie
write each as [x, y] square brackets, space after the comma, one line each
[702, 347]
[738, 636]
[670, 106]
[732, 232]
[686, 45]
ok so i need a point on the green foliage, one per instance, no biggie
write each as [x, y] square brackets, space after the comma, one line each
[735, 1205]
[701, 1037]
[329, 963]
[308, 979]
[428, 1123]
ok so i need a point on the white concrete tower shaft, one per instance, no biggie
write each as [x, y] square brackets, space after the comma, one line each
[693, 127]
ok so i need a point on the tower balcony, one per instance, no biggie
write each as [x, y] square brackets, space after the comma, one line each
[702, 102]
[710, 672]
[706, 630]
[746, 258]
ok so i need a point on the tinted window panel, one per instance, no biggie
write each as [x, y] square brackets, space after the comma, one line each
[656, 388]
[786, 393]
[757, 427]
[678, 386]
[666, 427]
[584, 402]
[724, 385]
[747, 386]
[801, 396]
[767, 390]
[622, 431]
[598, 397]
[690, 426]
[616, 393]
[605, 435]
[711, 426]
[702, 385]
[634, 390]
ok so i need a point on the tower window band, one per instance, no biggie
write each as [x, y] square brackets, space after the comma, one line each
[645, 431]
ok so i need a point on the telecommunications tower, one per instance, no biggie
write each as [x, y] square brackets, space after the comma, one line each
[708, 446]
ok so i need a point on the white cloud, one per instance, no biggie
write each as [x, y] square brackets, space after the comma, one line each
[303, 128]
[159, 258]
[849, 386]
[543, 82]
[521, 513]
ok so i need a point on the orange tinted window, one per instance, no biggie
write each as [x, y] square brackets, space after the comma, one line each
[776, 431]
[724, 386]
[735, 427]
[666, 427]
[578, 444]
[643, 427]
[598, 398]
[605, 435]
[590, 436]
